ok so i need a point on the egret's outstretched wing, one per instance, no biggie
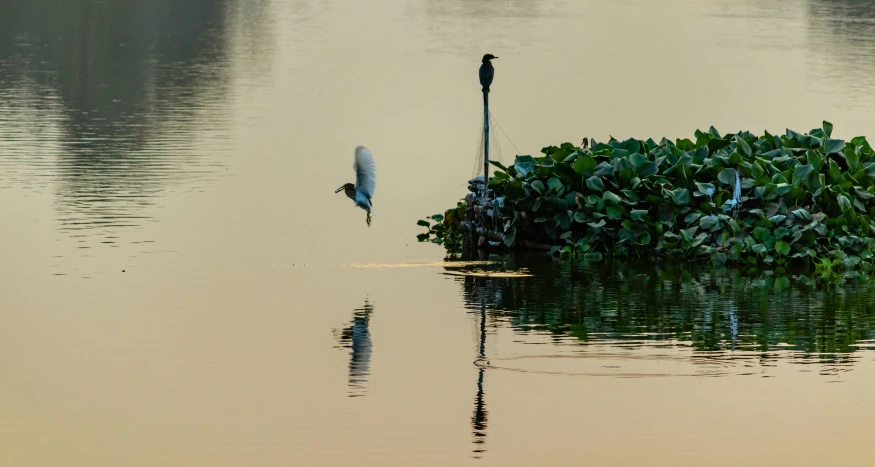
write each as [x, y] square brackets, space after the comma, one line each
[365, 171]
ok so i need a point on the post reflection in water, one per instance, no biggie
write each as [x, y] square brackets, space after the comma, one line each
[478, 420]
[357, 338]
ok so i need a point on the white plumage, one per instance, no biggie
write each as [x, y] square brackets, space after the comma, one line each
[365, 176]
[365, 181]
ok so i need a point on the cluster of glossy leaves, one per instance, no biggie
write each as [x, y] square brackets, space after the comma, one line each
[445, 229]
[803, 198]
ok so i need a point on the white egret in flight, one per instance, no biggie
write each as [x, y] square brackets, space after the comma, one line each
[365, 181]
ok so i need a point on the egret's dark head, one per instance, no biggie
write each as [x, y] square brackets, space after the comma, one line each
[488, 57]
[349, 188]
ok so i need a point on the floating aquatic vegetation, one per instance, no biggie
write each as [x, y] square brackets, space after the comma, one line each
[446, 228]
[765, 201]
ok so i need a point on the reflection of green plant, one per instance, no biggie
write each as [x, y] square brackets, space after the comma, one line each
[446, 229]
[800, 199]
[710, 308]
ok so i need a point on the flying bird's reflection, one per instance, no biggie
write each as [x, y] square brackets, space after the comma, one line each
[357, 338]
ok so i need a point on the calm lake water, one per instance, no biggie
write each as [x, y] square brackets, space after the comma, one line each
[181, 287]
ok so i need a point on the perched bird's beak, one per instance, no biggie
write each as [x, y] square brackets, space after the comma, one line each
[339, 189]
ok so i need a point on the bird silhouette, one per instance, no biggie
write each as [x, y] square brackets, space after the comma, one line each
[487, 72]
[365, 181]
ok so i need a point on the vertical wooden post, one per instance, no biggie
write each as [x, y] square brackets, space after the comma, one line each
[486, 144]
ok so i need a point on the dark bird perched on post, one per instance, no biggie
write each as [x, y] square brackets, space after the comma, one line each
[365, 181]
[487, 72]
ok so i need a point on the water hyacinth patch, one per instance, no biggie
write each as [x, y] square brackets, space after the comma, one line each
[766, 201]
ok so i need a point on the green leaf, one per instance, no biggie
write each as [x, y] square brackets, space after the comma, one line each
[524, 167]
[745, 148]
[757, 170]
[727, 177]
[779, 178]
[615, 212]
[584, 165]
[783, 248]
[833, 146]
[423, 223]
[717, 143]
[579, 217]
[735, 158]
[647, 169]
[706, 188]
[509, 236]
[514, 190]
[499, 165]
[555, 185]
[865, 195]
[813, 182]
[851, 261]
[681, 196]
[620, 153]
[597, 225]
[538, 186]
[801, 171]
[706, 223]
[603, 169]
[595, 183]
[630, 195]
[691, 217]
[844, 203]
[761, 233]
[498, 176]
[801, 214]
[853, 160]
[638, 214]
[782, 189]
[637, 159]
[644, 239]
[713, 131]
[611, 197]
[814, 159]
[776, 219]
[827, 128]
[835, 172]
